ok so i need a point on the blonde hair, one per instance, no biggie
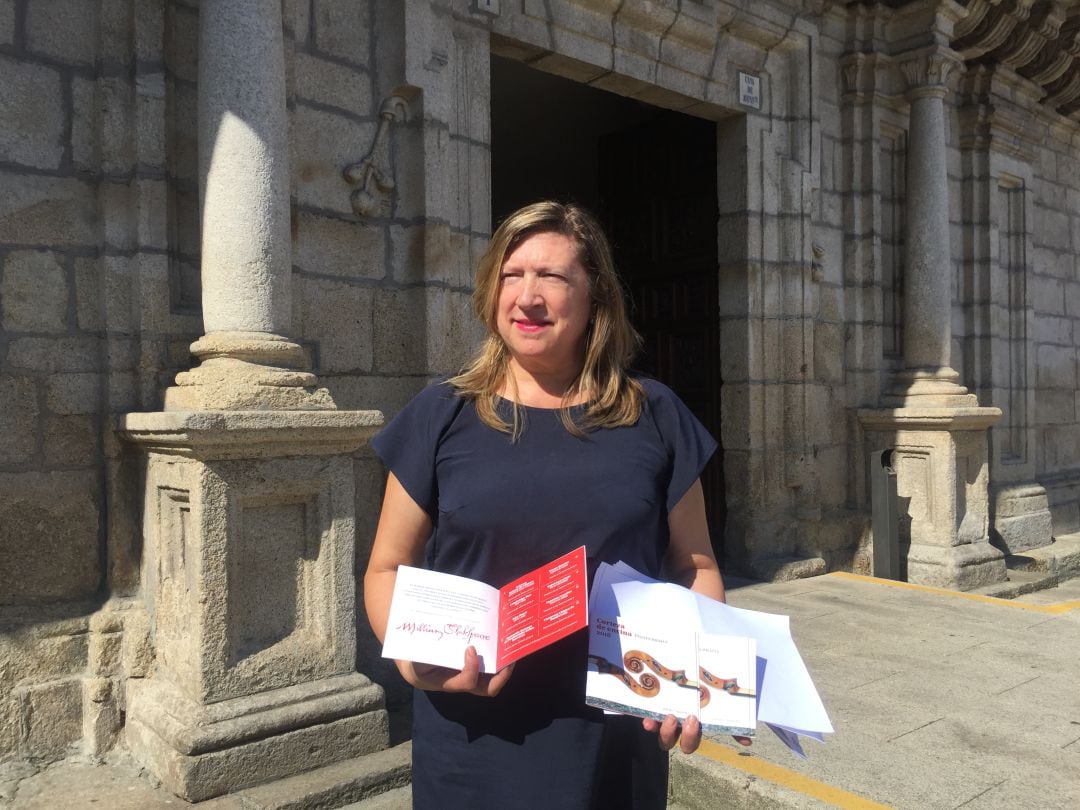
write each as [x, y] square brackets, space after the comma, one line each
[615, 399]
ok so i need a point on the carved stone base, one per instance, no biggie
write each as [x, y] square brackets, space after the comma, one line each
[247, 371]
[1022, 519]
[201, 751]
[961, 567]
[247, 570]
[940, 458]
[920, 388]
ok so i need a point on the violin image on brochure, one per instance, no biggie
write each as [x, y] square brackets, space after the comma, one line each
[653, 672]
[656, 648]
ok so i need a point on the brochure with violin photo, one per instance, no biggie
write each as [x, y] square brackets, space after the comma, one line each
[649, 671]
[435, 616]
[657, 647]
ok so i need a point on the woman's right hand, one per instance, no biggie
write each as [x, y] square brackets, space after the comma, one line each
[468, 679]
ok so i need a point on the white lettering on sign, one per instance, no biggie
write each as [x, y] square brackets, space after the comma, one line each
[749, 90]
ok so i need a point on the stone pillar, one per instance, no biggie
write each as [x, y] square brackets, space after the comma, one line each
[935, 426]
[249, 510]
[927, 326]
[246, 244]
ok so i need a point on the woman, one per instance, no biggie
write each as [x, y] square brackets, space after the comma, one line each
[542, 444]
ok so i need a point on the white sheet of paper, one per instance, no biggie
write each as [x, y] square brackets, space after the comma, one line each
[787, 694]
[787, 699]
[435, 616]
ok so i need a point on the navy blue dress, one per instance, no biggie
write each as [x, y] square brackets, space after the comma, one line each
[500, 509]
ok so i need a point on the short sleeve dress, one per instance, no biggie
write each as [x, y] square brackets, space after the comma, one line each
[501, 508]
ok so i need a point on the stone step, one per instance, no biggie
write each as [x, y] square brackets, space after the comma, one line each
[349, 783]
[1061, 557]
[1019, 582]
[700, 783]
[396, 799]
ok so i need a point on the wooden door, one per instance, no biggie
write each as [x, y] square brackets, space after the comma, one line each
[658, 203]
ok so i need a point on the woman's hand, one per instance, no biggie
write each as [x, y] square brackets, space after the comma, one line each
[688, 735]
[669, 732]
[469, 679]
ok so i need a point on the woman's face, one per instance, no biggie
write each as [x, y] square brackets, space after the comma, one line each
[544, 304]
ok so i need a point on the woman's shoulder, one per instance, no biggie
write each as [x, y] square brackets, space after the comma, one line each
[437, 403]
[669, 415]
[436, 392]
[656, 393]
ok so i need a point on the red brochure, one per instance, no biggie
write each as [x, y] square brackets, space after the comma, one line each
[543, 606]
[434, 616]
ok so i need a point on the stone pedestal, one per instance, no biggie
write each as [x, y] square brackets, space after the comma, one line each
[1022, 519]
[940, 458]
[248, 576]
[934, 425]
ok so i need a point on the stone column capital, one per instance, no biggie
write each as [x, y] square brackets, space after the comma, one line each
[926, 72]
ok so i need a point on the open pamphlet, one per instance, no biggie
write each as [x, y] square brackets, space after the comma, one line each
[746, 659]
[434, 616]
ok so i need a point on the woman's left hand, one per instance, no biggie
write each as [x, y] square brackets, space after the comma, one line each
[669, 732]
[688, 735]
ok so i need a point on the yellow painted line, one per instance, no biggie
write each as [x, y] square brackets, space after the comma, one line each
[777, 774]
[1060, 607]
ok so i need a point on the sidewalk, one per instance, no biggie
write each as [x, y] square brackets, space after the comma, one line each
[939, 699]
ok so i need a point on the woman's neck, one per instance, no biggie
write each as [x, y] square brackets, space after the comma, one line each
[540, 388]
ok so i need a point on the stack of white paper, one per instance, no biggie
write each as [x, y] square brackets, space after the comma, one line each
[787, 701]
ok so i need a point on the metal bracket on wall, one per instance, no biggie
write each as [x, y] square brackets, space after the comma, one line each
[375, 167]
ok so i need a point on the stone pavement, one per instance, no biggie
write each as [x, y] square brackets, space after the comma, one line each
[940, 700]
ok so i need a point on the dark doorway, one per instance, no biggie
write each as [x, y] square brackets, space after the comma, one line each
[650, 175]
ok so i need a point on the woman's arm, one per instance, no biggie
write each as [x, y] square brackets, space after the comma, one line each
[399, 540]
[690, 560]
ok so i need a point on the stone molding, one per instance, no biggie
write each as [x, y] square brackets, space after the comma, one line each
[929, 418]
[211, 435]
[1041, 41]
[193, 728]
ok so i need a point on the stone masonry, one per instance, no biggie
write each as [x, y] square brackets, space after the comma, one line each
[226, 242]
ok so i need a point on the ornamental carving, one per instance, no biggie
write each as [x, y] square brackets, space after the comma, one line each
[927, 70]
[372, 175]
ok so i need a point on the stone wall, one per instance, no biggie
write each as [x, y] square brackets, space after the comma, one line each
[1054, 289]
[52, 381]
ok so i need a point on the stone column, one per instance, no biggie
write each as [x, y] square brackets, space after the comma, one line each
[935, 426]
[927, 326]
[249, 530]
[246, 244]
